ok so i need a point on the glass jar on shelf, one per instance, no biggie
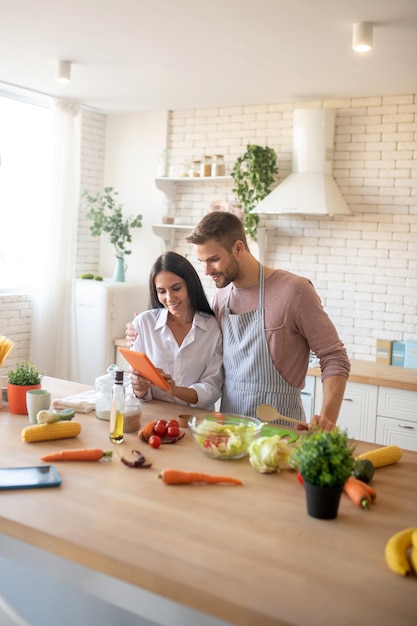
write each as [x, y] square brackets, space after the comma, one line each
[174, 167]
[218, 165]
[195, 169]
[162, 164]
[184, 169]
[205, 166]
[169, 217]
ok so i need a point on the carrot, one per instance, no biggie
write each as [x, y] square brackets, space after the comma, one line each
[146, 432]
[178, 477]
[371, 491]
[360, 493]
[78, 454]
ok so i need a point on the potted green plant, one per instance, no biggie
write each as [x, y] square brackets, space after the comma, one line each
[253, 173]
[20, 379]
[107, 217]
[325, 461]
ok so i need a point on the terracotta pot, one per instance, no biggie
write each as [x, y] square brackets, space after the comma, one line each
[16, 396]
[323, 502]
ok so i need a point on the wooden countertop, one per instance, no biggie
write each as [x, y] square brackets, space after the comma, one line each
[249, 555]
[371, 373]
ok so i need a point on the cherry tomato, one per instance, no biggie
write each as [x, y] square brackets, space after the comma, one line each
[154, 441]
[160, 428]
[173, 423]
[300, 478]
[173, 431]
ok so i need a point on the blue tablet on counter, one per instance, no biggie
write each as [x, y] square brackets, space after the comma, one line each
[29, 477]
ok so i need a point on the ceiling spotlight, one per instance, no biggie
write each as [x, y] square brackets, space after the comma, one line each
[63, 72]
[362, 36]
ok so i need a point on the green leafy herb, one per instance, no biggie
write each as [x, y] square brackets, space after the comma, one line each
[253, 173]
[107, 216]
[324, 458]
[24, 374]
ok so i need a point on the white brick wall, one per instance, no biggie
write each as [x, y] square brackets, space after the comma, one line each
[363, 266]
[92, 158]
[16, 323]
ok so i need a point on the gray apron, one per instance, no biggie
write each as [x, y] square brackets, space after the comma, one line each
[251, 377]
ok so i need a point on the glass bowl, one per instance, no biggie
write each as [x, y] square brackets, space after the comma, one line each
[224, 436]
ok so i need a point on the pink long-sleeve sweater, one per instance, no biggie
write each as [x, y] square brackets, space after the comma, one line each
[295, 324]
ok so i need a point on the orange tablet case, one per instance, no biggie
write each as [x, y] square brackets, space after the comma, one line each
[144, 366]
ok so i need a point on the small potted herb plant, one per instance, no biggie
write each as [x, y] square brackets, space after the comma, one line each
[253, 174]
[107, 217]
[20, 379]
[325, 461]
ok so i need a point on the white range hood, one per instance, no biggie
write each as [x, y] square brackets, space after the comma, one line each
[311, 188]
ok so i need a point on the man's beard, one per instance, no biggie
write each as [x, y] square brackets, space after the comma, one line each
[229, 275]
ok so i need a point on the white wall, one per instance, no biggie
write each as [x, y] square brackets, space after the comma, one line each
[133, 144]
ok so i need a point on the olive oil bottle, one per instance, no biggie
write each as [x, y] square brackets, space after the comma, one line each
[117, 413]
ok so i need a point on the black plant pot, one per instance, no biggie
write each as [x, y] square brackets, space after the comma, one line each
[323, 502]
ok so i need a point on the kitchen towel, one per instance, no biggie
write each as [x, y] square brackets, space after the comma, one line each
[81, 402]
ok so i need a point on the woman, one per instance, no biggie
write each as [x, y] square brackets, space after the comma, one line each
[180, 335]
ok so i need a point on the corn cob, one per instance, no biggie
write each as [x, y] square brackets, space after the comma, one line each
[382, 456]
[56, 430]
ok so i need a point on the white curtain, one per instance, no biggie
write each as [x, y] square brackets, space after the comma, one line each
[51, 346]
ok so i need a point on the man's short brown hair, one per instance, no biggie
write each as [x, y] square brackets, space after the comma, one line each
[225, 228]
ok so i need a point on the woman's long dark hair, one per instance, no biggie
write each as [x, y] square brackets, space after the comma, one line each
[180, 266]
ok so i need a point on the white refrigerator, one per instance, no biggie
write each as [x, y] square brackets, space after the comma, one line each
[102, 310]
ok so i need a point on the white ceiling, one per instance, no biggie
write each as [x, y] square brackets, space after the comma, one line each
[141, 55]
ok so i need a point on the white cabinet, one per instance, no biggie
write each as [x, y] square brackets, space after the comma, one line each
[383, 415]
[397, 418]
[358, 411]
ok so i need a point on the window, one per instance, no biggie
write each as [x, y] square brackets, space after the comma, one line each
[25, 190]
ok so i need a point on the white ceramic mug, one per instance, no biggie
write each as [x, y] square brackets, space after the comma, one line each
[37, 400]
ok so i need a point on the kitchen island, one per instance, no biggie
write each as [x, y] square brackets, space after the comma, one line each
[194, 555]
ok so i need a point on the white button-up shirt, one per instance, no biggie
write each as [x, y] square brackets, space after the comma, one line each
[197, 363]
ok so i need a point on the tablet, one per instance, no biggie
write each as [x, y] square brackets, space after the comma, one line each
[144, 366]
[29, 477]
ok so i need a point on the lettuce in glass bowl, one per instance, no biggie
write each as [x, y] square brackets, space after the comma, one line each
[224, 436]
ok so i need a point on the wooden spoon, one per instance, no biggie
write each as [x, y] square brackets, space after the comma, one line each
[268, 413]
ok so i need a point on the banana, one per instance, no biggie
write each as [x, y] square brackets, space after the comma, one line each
[396, 551]
[413, 553]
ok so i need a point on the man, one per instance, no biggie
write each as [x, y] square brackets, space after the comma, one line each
[270, 320]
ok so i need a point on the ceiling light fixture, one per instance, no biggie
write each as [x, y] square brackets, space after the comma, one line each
[362, 36]
[63, 72]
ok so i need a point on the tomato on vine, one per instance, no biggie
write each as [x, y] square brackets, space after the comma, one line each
[160, 428]
[173, 431]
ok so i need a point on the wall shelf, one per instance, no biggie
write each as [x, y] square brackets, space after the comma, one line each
[167, 185]
[192, 179]
[167, 232]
